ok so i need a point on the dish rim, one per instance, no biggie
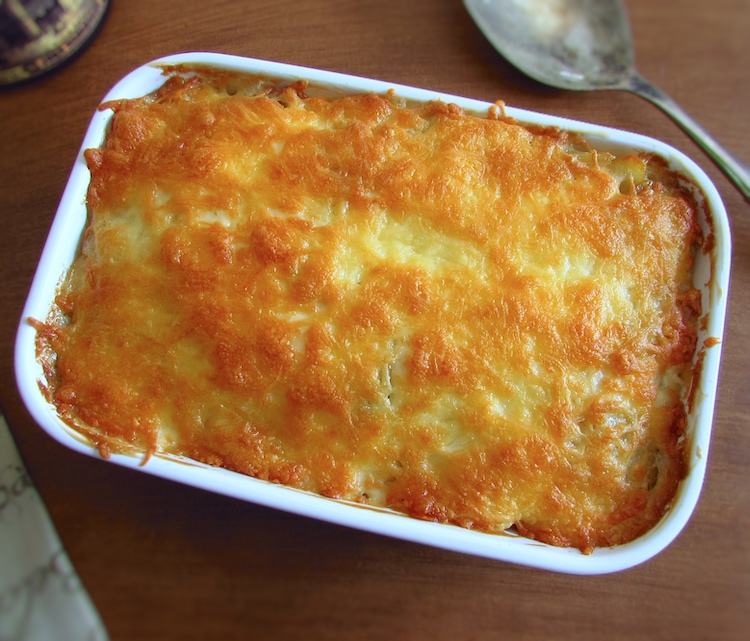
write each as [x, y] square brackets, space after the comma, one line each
[68, 224]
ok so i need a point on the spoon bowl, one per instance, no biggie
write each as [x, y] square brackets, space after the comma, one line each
[585, 45]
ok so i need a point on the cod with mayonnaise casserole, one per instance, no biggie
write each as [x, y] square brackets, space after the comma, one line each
[453, 316]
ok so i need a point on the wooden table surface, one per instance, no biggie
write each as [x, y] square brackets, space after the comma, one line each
[163, 561]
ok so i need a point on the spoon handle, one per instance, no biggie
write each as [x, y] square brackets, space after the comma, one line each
[738, 173]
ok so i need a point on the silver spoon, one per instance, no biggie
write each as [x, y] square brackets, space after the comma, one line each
[584, 45]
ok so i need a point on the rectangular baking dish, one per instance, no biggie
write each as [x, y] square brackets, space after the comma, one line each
[711, 277]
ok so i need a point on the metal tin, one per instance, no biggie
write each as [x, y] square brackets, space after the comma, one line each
[37, 36]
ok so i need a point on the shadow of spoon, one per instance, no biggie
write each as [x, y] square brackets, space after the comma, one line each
[586, 45]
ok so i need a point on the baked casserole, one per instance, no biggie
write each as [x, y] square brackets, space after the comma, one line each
[450, 315]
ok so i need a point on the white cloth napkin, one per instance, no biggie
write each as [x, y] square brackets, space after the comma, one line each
[41, 596]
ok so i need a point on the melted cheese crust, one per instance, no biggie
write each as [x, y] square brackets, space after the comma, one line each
[457, 317]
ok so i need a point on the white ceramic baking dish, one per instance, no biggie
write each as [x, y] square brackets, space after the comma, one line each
[712, 276]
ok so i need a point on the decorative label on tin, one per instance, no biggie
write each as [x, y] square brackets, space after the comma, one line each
[37, 36]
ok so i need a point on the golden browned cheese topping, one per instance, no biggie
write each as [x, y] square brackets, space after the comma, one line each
[449, 315]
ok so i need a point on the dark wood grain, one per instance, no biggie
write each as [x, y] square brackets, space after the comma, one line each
[162, 561]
